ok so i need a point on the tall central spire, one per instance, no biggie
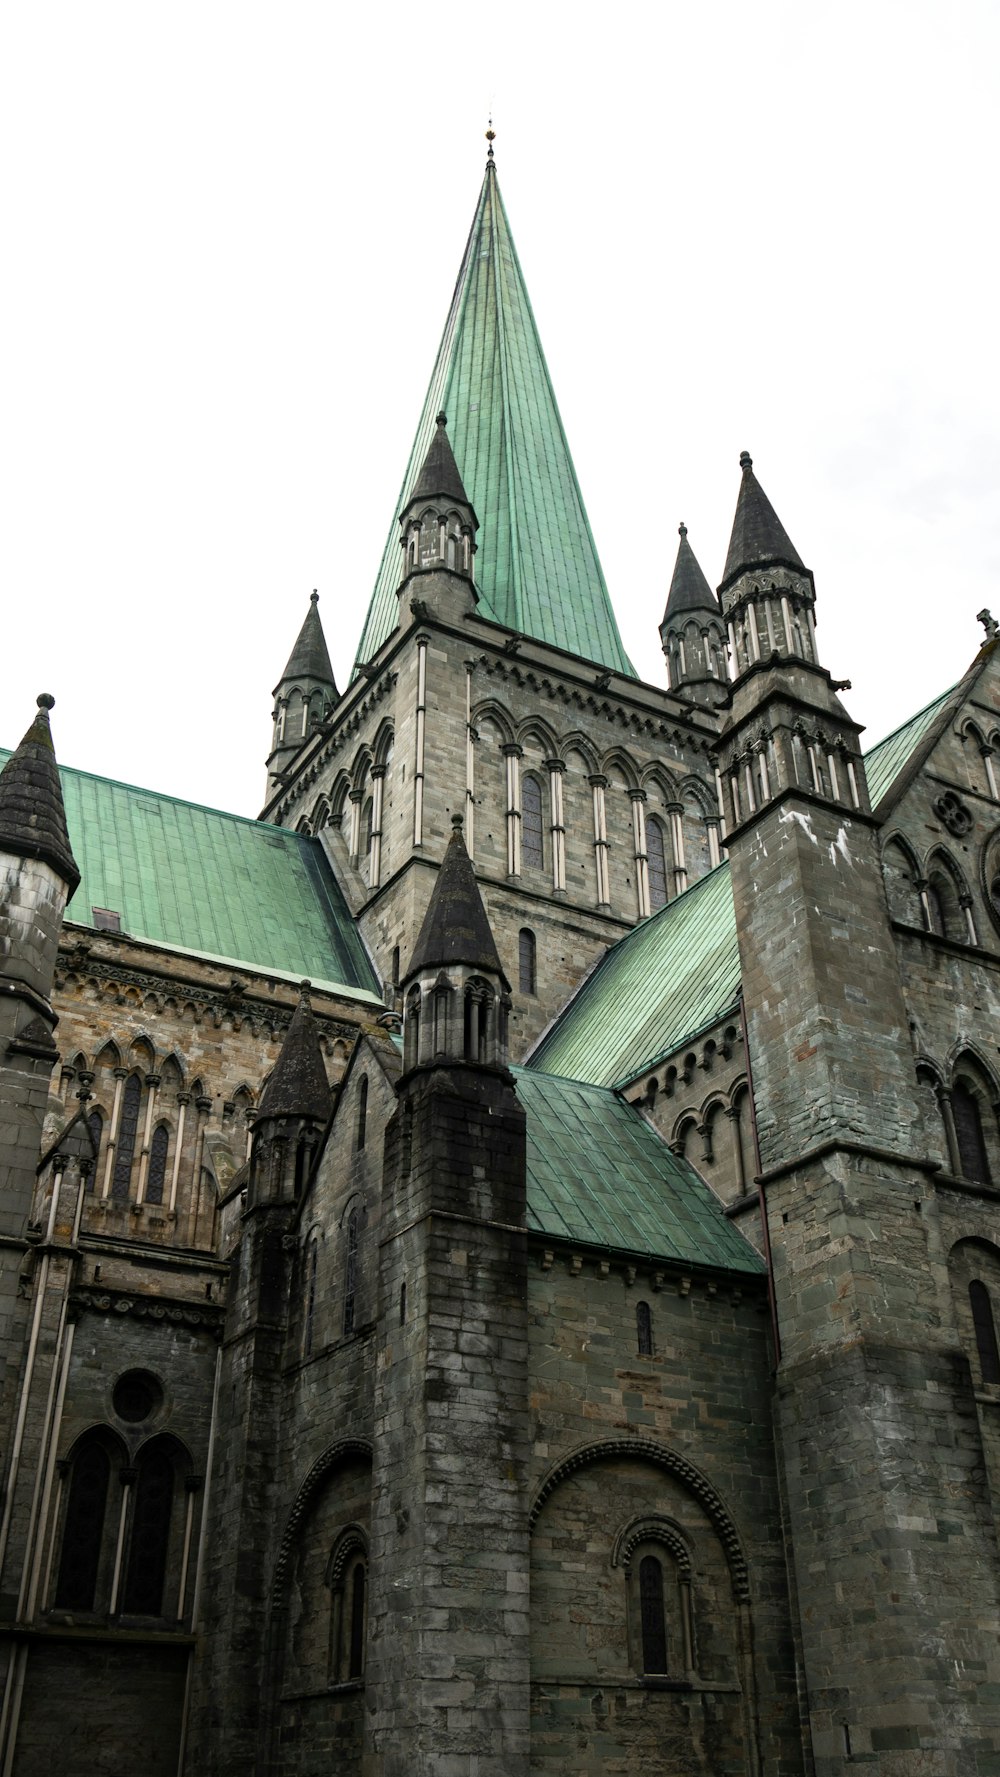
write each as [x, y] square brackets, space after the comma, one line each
[537, 569]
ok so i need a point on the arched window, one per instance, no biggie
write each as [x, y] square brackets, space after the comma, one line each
[362, 1110]
[985, 1329]
[526, 960]
[366, 827]
[83, 1527]
[935, 908]
[644, 1329]
[656, 863]
[652, 1616]
[972, 1154]
[351, 1271]
[348, 1582]
[157, 1165]
[147, 1557]
[96, 1123]
[310, 1314]
[532, 850]
[128, 1125]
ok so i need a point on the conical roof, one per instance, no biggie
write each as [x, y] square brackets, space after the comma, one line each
[455, 928]
[689, 590]
[310, 658]
[537, 569]
[439, 474]
[32, 815]
[759, 538]
[298, 1086]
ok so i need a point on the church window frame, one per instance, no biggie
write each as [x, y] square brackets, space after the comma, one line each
[970, 1129]
[153, 1509]
[347, 1578]
[644, 1329]
[656, 1561]
[126, 1138]
[80, 1575]
[156, 1175]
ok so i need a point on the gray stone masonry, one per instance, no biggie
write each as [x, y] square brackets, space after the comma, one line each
[448, 1625]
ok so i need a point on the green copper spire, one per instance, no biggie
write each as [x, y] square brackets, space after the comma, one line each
[536, 566]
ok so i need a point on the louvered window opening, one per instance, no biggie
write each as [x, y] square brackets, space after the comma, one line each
[532, 849]
[656, 862]
[157, 1165]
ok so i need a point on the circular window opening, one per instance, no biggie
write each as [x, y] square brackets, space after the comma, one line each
[136, 1396]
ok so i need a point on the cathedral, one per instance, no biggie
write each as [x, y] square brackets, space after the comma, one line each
[499, 1255]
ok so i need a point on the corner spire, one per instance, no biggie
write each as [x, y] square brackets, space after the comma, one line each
[32, 812]
[689, 590]
[440, 474]
[455, 928]
[759, 538]
[298, 1087]
[310, 657]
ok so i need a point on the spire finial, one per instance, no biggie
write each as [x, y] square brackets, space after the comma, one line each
[682, 529]
[442, 418]
[45, 702]
[304, 987]
[458, 822]
[491, 136]
[746, 460]
[314, 597]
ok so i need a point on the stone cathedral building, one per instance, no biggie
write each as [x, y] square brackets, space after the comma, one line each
[499, 1256]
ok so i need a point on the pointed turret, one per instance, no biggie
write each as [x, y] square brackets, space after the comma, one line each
[438, 525]
[457, 996]
[767, 595]
[32, 813]
[293, 1111]
[692, 632]
[537, 570]
[303, 694]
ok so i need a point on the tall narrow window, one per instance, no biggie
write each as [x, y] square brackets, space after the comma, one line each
[526, 961]
[653, 1620]
[310, 1298]
[532, 851]
[351, 1271]
[362, 1110]
[147, 1559]
[644, 1329]
[96, 1122]
[366, 826]
[986, 1333]
[656, 864]
[128, 1125]
[83, 1528]
[356, 1646]
[969, 1134]
[157, 1165]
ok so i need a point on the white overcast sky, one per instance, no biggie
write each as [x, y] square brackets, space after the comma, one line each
[230, 234]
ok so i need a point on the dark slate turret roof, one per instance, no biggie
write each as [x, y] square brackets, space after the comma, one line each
[310, 658]
[689, 590]
[298, 1086]
[439, 474]
[759, 538]
[537, 569]
[32, 815]
[455, 928]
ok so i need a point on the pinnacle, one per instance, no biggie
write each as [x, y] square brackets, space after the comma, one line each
[298, 1086]
[310, 657]
[32, 814]
[759, 538]
[689, 590]
[456, 928]
[440, 473]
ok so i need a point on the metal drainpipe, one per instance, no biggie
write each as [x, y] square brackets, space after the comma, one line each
[765, 1230]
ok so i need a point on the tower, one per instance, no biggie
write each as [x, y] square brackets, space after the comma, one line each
[692, 634]
[448, 1627]
[888, 1517]
[303, 695]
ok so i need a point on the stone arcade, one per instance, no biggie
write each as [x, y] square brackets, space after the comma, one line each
[500, 1254]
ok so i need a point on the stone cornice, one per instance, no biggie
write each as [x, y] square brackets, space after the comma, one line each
[207, 1317]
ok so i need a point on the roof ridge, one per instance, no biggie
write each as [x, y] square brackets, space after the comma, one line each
[118, 783]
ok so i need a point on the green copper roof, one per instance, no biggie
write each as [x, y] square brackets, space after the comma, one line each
[536, 569]
[673, 975]
[218, 885]
[598, 1173]
[886, 760]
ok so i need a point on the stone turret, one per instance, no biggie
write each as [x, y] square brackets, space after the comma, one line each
[447, 1680]
[692, 632]
[304, 694]
[438, 531]
[868, 1369]
[293, 1112]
